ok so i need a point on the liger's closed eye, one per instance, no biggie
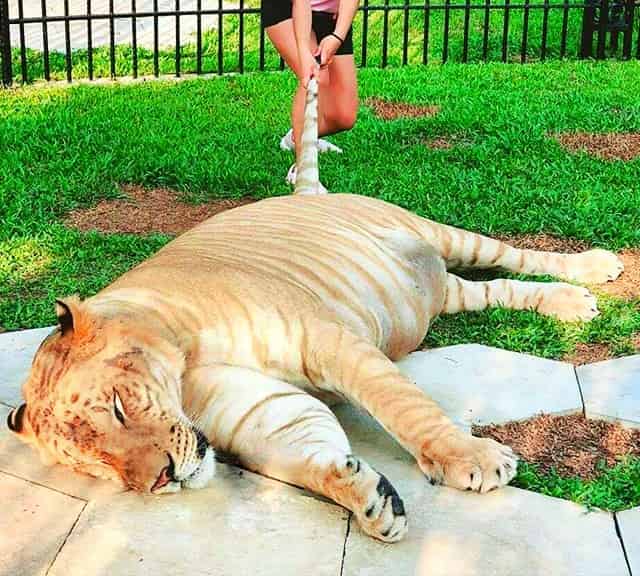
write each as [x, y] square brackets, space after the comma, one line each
[118, 409]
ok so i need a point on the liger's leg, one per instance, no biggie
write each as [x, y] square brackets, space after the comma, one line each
[460, 248]
[281, 431]
[334, 359]
[564, 301]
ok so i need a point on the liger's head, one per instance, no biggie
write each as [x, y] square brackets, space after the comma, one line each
[104, 397]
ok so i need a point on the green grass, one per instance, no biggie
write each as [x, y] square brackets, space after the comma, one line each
[123, 54]
[616, 488]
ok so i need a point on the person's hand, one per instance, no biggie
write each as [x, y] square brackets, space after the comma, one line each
[308, 67]
[327, 49]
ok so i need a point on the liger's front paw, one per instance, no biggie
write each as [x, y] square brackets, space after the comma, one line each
[469, 463]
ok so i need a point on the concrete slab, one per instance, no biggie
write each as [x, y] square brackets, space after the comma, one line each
[33, 526]
[506, 532]
[241, 524]
[629, 523]
[611, 389]
[16, 352]
[482, 385]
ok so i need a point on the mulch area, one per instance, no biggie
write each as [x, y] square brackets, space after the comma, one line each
[611, 146]
[571, 444]
[146, 211]
[386, 110]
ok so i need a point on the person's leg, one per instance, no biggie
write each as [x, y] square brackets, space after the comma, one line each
[339, 98]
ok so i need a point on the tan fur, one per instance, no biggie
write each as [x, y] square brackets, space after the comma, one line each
[230, 326]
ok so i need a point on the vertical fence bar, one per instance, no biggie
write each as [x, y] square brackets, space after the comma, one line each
[628, 33]
[365, 32]
[385, 33]
[425, 34]
[45, 40]
[485, 30]
[525, 32]
[261, 45]
[89, 40]
[178, 51]
[199, 37]
[241, 38]
[112, 41]
[505, 30]
[588, 18]
[602, 29]
[23, 47]
[156, 41]
[220, 38]
[134, 39]
[5, 44]
[638, 46]
[405, 34]
[565, 25]
[445, 41]
[67, 42]
[465, 41]
[545, 30]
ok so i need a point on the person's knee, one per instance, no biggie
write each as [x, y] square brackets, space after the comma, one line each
[343, 118]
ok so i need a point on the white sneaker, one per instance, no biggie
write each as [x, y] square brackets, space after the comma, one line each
[291, 179]
[287, 144]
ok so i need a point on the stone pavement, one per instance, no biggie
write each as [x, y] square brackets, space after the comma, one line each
[57, 523]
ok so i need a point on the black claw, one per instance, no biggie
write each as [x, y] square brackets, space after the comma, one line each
[369, 511]
[472, 476]
[499, 473]
[386, 532]
[384, 488]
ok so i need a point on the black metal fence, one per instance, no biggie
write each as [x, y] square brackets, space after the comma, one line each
[58, 39]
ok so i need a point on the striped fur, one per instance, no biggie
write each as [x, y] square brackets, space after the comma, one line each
[307, 178]
[240, 327]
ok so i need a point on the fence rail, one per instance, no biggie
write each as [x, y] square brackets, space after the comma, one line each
[56, 39]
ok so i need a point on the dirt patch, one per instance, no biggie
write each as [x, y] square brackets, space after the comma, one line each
[610, 146]
[440, 143]
[146, 211]
[545, 242]
[588, 353]
[573, 445]
[393, 110]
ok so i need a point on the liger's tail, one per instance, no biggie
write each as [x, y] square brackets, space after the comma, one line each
[308, 178]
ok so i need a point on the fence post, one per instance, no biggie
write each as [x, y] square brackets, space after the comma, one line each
[588, 29]
[5, 44]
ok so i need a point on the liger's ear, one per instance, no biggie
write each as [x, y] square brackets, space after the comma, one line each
[15, 420]
[74, 319]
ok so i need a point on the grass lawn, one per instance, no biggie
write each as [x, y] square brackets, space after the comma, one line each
[64, 148]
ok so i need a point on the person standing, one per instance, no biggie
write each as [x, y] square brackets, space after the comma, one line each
[301, 31]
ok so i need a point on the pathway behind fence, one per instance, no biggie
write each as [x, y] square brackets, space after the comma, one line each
[58, 39]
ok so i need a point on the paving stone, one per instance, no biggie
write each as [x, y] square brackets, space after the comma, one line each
[16, 352]
[241, 524]
[453, 533]
[33, 525]
[612, 388]
[629, 523]
[482, 385]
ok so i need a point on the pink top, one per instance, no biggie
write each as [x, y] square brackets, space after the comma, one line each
[325, 6]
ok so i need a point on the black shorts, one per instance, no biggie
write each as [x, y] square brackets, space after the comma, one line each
[323, 23]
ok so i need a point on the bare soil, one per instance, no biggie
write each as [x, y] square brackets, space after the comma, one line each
[571, 444]
[611, 146]
[393, 110]
[147, 211]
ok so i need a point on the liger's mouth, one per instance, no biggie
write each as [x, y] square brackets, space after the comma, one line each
[167, 481]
